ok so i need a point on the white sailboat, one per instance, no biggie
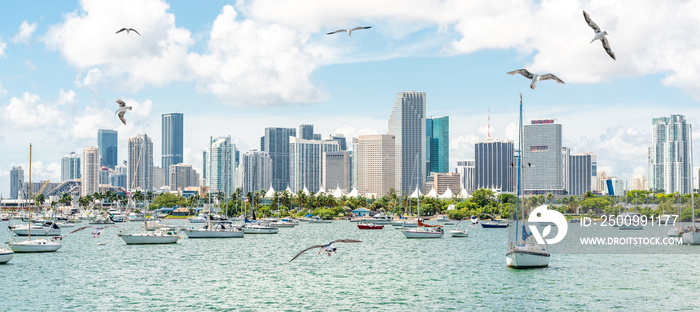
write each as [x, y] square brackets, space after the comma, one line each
[691, 234]
[6, 255]
[38, 245]
[422, 230]
[214, 229]
[525, 253]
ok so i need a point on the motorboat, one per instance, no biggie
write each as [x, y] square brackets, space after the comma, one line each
[5, 217]
[424, 232]
[37, 245]
[284, 223]
[116, 215]
[251, 228]
[48, 228]
[442, 218]
[215, 230]
[6, 255]
[459, 233]
[159, 236]
[369, 226]
[317, 219]
[136, 217]
[381, 219]
[200, 218]
[405, 224]
[494, 224]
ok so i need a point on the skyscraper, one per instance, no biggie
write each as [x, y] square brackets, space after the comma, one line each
[336, 170]
[542, 163]
[70, 167]
[182, 176]
[16, 181]
[466, 169]
[566, 176]
[407, 125]
[257, 171]
[140, 163]
[277, 145]
[219, 163]
[377, 164]
[437, 132]
[493, 165]
[305, 162]
[107, 143]
[580, 173]
[172, 146]
[306, 132]
[341, 141]
[670, 168]
[354, 163]
[90, 180]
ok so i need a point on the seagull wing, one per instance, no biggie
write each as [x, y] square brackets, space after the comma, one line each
[523, 72]
[346, 241]
[305, 250]
[121, 117]
[118, 31]
[134, 30]
[120, 102]
[337, 31]
[361, 27]
[606, 46]
[551, 77]
[81, 228]
[590, 22]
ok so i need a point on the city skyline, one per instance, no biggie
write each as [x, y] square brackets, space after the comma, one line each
[55, 92]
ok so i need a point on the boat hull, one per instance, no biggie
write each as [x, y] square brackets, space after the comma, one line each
[691, 238]
[260, 230]
[370, 226]
[213, 234]
[525, 258]
[283, 224]
[459, 233]
[37, 231]
[631, 227]
[422, 234]
[6, 255]
[148, 238]
[493, 226]
[39, 245]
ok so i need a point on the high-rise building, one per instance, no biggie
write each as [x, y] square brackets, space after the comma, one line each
[257, 171]
[117, 179]
[639, 183]
[541, 158]
[277, 145]
[377, 164]
[220, 165]
[669, 155]
[140, 163]
[104, 175]
[341, 141]
[107, 143]
[159, 177]
[443, 181]
[173, 142]
[90, 180]
[354, 163]
[182, 176]
[407, 125]
[70, 167]
[305, 162]
[437, 132]
[466, 169]
[336, 170]
[566, 176]
[16, 181]
[493, 165]
[580, 173]
[306, 132]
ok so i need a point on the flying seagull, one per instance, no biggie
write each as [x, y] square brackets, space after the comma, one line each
[326, 248]
[96, 233]
[128, 30]
[599, 35]
[535, 78]
[349, 31]
[122, 109]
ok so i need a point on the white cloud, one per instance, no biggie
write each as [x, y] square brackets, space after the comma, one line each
[3, 91]
[29, 64]
[25, 32]
[91, 79]
[31, 111]
[3, 45]
[66, 97]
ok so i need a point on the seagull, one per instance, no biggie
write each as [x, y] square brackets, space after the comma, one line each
[122, 109]
[599, 35]
[349, 31]
[535, 78]
[327, 247]
[96, 233]
[128, 30]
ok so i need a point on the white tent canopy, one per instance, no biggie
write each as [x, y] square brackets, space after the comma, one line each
[416, 193]
[270, 193]
[463, 194]
[447, 194]
[354, 193]
[432, 193]
[306, 191]
[289, 191]
[338, 193]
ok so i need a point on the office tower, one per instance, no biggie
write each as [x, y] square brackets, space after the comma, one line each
[104, 175]
[466, 169]
[117, 179]
[341, 141]
[173, 142]
[541, 158]
[580, 173]
[182, 176]
[317, 136]
[16, 181]
[336, 170]
[305, 161]
[70, 167]
[277, 145]
[639, 183]
[494, 168]
[262, 143]
[306, 132]
[354, 163]
[377, 164]
[219, 163]
[159, 177]
[437, 151]
[407, 125]
[257, 171]
[670, 156]
[566, 176]
[442, 181]
[90, 180]
[107, 143]
[140, 163]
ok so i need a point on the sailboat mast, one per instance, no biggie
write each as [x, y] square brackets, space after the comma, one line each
[692, 188]
[520, 152]
[29, 229]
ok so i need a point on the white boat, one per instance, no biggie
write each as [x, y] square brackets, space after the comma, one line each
[675, 232]
[442, 218]
[405, 224]
[6, 255]
[250, 228]
[159, 236]
[37, 245]
[459, 233]
[200, 218]
[116, 215]
[317, 219]
[691, 236]
[155, 224]
[424, 232]
[214, 230]
[283, 224]
[381, 219]
[136, 217]
[100, 220]
[45, 229]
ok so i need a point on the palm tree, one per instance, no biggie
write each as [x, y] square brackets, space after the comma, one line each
[40, 199]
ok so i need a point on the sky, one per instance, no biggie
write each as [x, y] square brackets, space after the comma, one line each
[237, 67]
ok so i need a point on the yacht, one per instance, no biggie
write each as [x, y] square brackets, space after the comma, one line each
[136, 217]
[459, 233]
[424, 232]
[215, 230]
[317, 219]
[200, 218]
[257, 228]
[159, 236]
[116, 215]
[527, 255]
[381, 219]
[37, 245]
[48, 228]
[6, 255]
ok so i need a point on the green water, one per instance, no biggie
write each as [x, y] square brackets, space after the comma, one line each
[386, 272]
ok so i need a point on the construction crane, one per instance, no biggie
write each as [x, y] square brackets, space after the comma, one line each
[43, 187]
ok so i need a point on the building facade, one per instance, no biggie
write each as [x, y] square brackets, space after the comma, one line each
[140, 163]
[107, 142]
[443, 181]
[172, 126]
[466, 170]
[277, 146]
[70, 167]
[354, 163]
[580, 173]
[182, 176]
[336, 170]
[639, 183]
[257, 171]
[670, 167]
[494, 168]
[541, 158]
[90, 180]
[16, 181]
[305, 162]
[438, 139]
[377, 164]
[220, 165]
[407, 125]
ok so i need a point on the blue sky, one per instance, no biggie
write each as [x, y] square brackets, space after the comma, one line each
[234, 68]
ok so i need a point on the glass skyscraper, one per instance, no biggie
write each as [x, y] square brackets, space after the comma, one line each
[107, 143]
[70, 167]
[493, 165]
[670, 168]
[219, 165]
[437, 132]
[407, 124]
[172, 145]
[541, 161]
[277, 146]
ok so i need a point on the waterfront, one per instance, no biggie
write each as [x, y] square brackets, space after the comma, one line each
[384, 272]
